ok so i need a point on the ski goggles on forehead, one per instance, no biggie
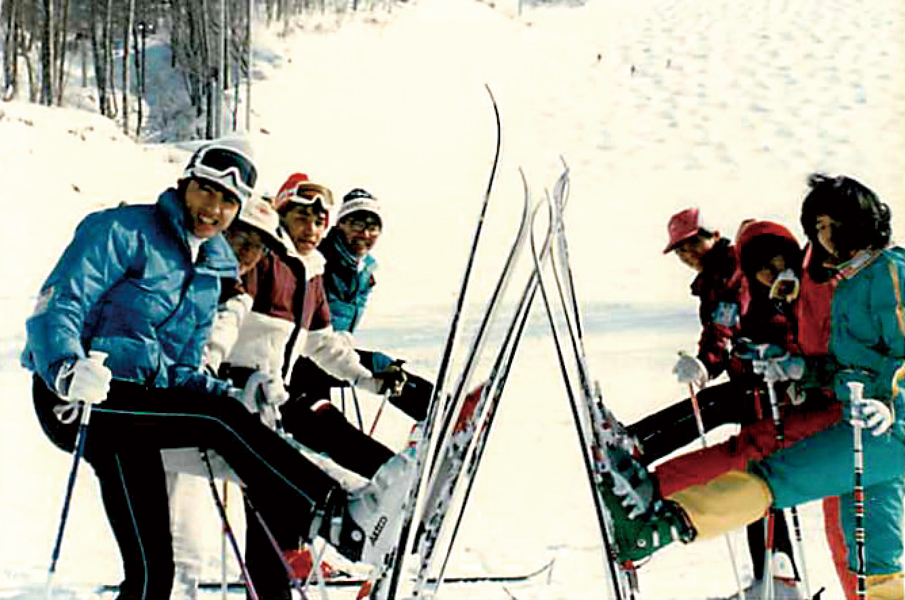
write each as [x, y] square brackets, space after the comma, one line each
[226, 166]
[307, 195]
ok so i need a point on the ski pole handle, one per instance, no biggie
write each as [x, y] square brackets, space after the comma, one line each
[98, 356]
[95, 356]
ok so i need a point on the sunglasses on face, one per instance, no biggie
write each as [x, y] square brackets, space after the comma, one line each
[365, 225]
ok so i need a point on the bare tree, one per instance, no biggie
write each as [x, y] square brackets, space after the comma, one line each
[60, 44]
[11, 28]
[130, 17]
[48, 60]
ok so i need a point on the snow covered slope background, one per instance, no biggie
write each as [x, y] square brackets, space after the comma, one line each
[655, 104]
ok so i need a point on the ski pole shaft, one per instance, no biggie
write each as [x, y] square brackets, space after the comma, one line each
[355, 403]
[224, 590]
[379, 412]
[70, 487]
[857, 393]
[275, 545]
[79, 449]
[793, 512]
[699, 420]
[250, 588]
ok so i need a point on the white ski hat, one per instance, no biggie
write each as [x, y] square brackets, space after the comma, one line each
[360, 200]
[227, 162]
[262, 216]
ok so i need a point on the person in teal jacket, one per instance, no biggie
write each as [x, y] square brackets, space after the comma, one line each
[851, 226]
[141, 284]
[348, 282]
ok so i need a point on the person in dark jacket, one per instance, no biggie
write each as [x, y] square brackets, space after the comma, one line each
[141, 284]
[719, 287]
[348, 282]
[723, 294]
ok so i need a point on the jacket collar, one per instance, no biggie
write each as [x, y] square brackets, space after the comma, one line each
[852, 266]
[337, 253]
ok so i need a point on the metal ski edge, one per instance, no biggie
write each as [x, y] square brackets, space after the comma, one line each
[341, 582]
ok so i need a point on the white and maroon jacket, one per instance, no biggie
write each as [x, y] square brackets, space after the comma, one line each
[288, 317]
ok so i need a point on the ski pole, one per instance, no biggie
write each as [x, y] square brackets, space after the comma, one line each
[223, 579]
[361, 423]
[856, 388]
[79, 449]
[383, 402]
[699, 420]
[796, 522]
[290, 573]
[250, 588]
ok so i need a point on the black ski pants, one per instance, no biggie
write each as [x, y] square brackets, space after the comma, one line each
[124, 438]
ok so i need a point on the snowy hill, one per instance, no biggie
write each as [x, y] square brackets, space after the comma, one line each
[656, 104]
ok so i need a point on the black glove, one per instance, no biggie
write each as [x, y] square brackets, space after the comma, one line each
[391, 380]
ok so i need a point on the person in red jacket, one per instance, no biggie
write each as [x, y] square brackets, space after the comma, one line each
[719, 287]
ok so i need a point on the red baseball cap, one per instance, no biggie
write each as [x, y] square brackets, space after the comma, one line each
[682, 225]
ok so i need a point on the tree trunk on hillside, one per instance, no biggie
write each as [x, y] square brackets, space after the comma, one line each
[112, 109]
[62, 34]
[99, 55]
[130, 16]
[139, 59]
[83, 55]
[10, 48]
[206, 64]
[48, 61]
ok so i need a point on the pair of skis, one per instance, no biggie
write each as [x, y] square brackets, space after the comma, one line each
[343, 580]
[456, 469]
[595, 425]
[455, 433]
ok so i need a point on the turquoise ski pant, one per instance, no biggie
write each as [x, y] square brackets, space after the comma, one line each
[823, 465]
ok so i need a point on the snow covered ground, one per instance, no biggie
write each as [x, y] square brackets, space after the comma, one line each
[655, 104]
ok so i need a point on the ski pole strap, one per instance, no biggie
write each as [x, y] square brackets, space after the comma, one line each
[68, 412]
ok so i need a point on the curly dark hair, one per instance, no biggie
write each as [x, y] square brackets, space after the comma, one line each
[864, 221]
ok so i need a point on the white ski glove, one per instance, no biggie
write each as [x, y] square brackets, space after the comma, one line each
[262, 390]
[869, 413]
[690, 369]
[85, 379]
[783, 368]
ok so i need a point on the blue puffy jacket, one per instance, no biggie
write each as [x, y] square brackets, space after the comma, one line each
[126, 286]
